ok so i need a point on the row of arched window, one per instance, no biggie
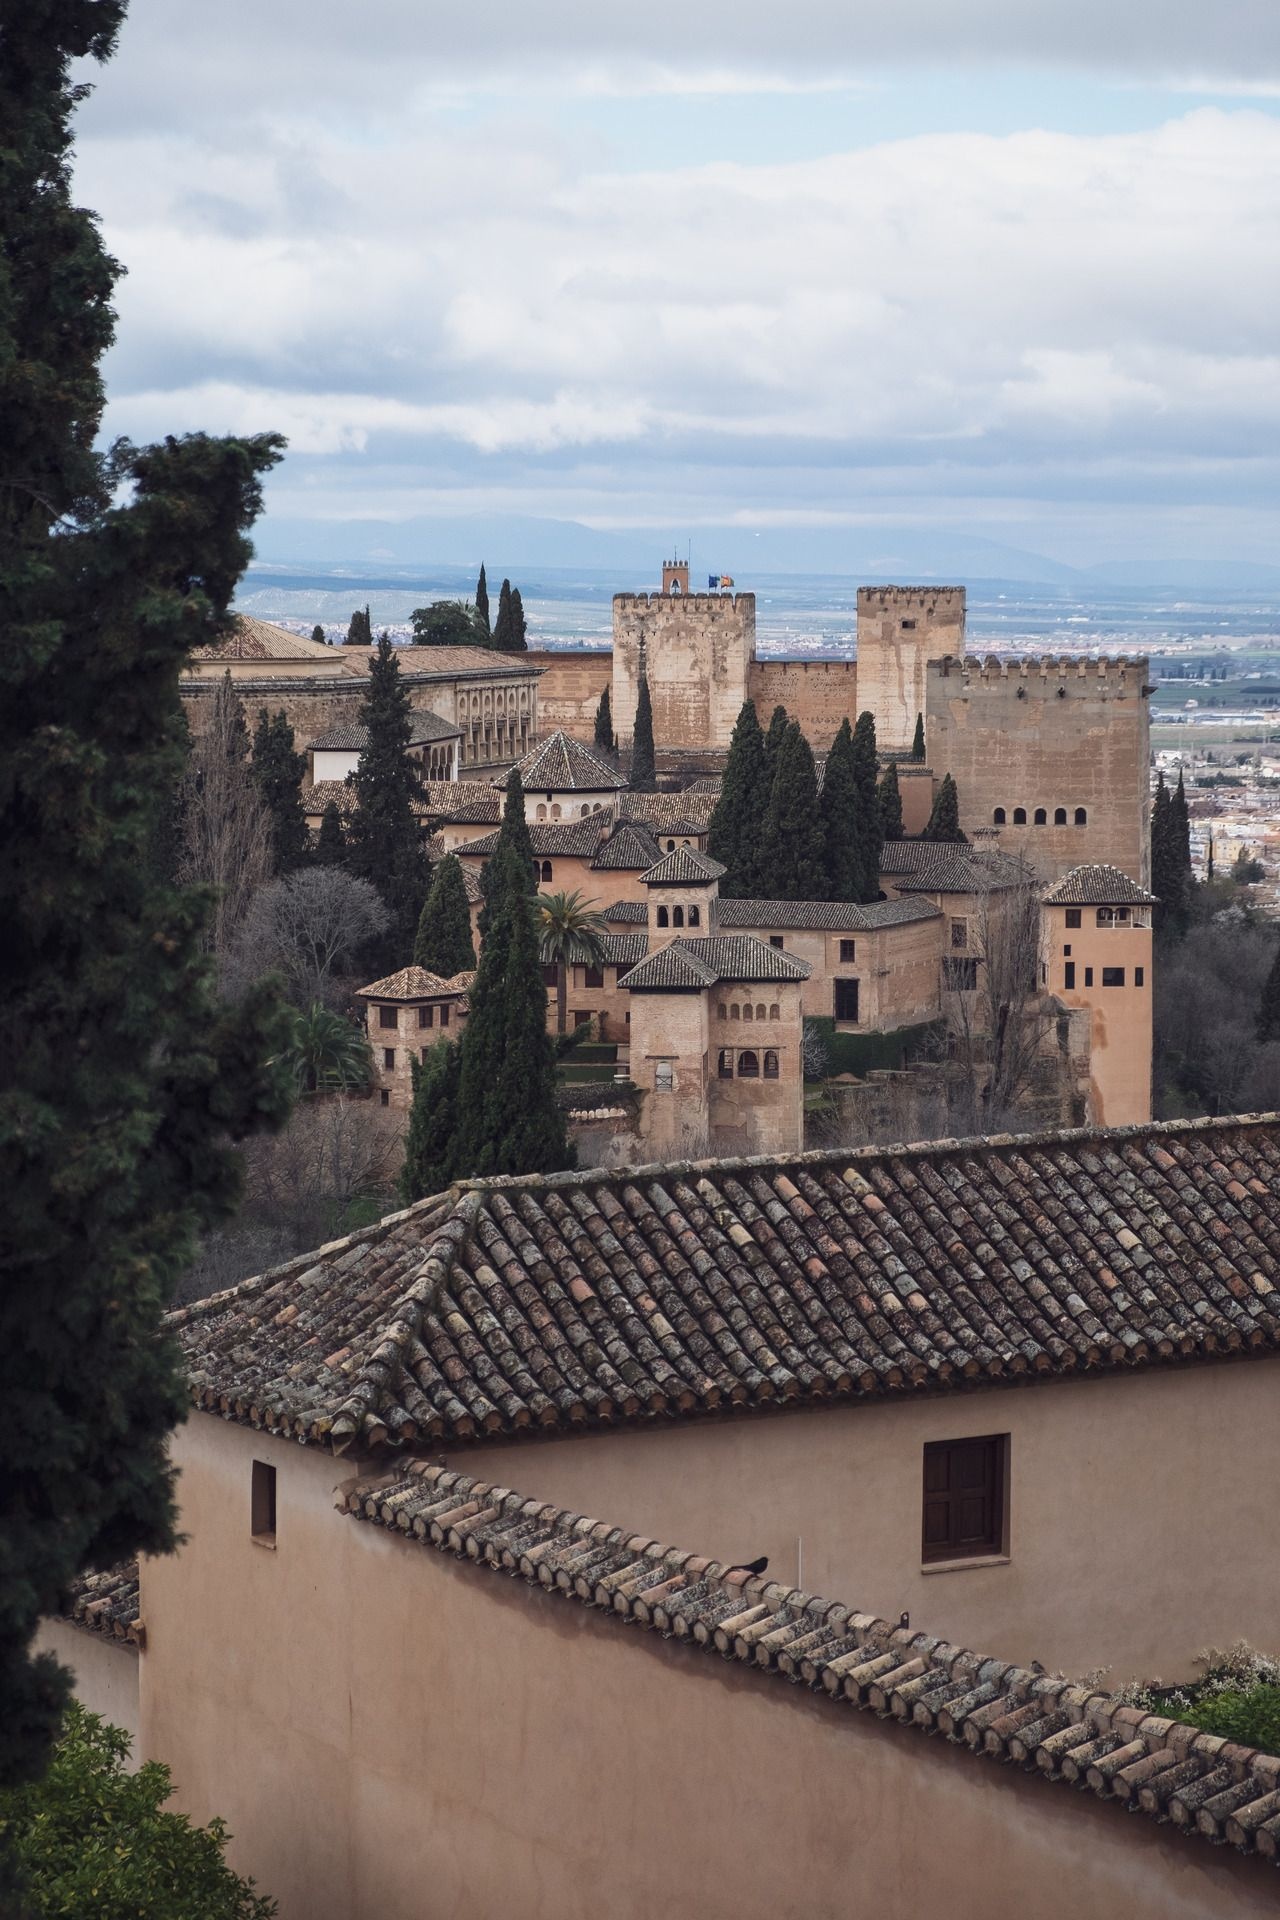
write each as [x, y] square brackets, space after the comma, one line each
[747, 1064]
[556, 812]
[747, 1012]
[680, 917]
[1040, 817]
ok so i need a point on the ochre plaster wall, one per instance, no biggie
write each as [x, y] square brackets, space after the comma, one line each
[1120, 1044]
[392, 1734]
[570, 688]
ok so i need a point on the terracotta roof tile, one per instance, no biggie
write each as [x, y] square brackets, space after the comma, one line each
[730, 956]
[1098, 886]
[567, 1299]
[932, 866]
[250, 639]
[560, 764]
[353, 737]
[827, 916]
[415, 983]
[686, 812]
[317, 797]
[630, 847]
[675, 967]
[624, 949]
[106, 1604]
[685, 867]
[628, 913]
[575, 839]
[985, 1707]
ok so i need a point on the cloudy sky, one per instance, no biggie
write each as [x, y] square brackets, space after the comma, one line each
[1010, 268]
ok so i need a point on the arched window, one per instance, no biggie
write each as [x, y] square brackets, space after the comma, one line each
[761, 1013]
[671, 846]
[775, 1012]
[546, 869]
[726, 1063]
[542, 812]
[1082, 818]
[1059, 816]
[748, 1012]
[722, 1012]
[771, 1066]
[695, 917]
[555, 811]
[662, 916]
[735, 1011]
[1041, 817]
[1019, 816]
[748, 1066]
[677, 916]
[586, 808]
[997, 817]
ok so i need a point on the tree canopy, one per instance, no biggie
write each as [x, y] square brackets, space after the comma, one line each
[360, 629]
[519, 642]
[917, 739]
[502, 629]
[644, 765]
[604, 735]
[443, 943]
[843, 820]
[737, 820]
[570, 934]
[866, 771]
[331, 841]
[944, 820]
[791, 849]
[384, 843]
[448, 623]
[482, 603]
[889, 799]
[278, 771]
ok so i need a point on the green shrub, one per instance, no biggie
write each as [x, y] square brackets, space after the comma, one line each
[862, 1053]
[1251, 1717]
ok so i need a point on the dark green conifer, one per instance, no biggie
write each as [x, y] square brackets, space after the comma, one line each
[124, 1077]
[384, 841]
[889, 798]
[331, 842]
[843, 826]
[866, 768]
[944, 821]
[482, 602]
[1171, 859]
[277, 771]
[917, 740]
[431, 1140]
[360, 629]
[444, 944]
[514, 843]
[736, 826]
[1269, 1005]
[791, 848]
[502, 631]
[644, 770]
[604, 735]
[519, 642]
[773, 740]
[319, 635]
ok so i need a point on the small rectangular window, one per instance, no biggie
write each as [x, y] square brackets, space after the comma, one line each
[1139, 977]
[1069, 972]
[1073, 916]
[388, 1058]
[593, 976]
[846, 1000]
[1113, 976]
[263, 1503]
[386, 1098]
[388, 1016]
[908, 626]
[964, 1503]
[848, 952]
[1088, 976]
[959, 935]
[426, 1016]
[1066, 952]
[444, 1016]
[663, 1075]
[582, 1018]
[775, 939]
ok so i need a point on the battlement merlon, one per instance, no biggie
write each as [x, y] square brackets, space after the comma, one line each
[991, 668]
[911, 596]
[701, 602]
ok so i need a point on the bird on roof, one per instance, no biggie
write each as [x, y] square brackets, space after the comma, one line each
[750, 1566]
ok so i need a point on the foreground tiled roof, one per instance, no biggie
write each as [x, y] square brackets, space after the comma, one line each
[984, 1706]
[106, 1604]
[1098, 886]
[572, 1300]
[728, 957]
[826, 916]
[575, 839]
[630, 848]
[416, 983]
[560, 764]
[685, 867]
[673, 968]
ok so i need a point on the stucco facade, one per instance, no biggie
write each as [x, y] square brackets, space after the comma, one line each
[900, 631]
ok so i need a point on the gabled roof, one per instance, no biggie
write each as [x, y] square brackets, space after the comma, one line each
[673, 968]
[472, 800]
[353, 737]
[986, 1708]
[1098, 886]
[571, 839]
[630, 847]
[727, 957]
[631, 1295]
[250, 639]
[415, 983]
[560, 764]
[825, 916]
[685, 867]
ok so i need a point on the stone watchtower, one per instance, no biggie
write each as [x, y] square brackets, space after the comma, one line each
[900, 630]
[698, 651]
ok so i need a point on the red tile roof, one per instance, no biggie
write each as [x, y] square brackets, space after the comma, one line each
[560, 764]
[984, 1706]
[416, 983]
[1098, 886]
[684, 867]
[571, 1300]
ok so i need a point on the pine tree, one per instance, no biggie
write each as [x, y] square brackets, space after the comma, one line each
[1269, 1005]
[519, 642]
[331, 842]
[124, 1077]
[508, 1117]
[277, 771]
[944, 821]
[360, 629]
[482, 603]
[431, 1140]
[737, 823]
[889, 799]
[791, 850]
[444, 944]
[502, 631]
[384, 844]
[844, 832]
[866, 769]
[644, 772]
[605, 739]
[917, 741]
[319, 635]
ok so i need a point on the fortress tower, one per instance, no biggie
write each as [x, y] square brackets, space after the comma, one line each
[900, 630]
[698, 652]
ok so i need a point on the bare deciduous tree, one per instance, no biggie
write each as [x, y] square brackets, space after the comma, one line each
[307, 926]
[226, 830]
[997, 1016]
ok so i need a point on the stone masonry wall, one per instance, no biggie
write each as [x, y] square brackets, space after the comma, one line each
[817, 693]
[900, 630]
[570, 688]
[698, 650]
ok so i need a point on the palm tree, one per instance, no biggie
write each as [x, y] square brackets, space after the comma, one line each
[329, 1054]
[570, 934]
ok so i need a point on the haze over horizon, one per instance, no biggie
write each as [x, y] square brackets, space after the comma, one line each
[937, 289]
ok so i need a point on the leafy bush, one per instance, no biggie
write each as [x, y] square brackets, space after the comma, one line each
[828, 1052]
[1238, 1699]
[92, 1840]
[1251, 1717]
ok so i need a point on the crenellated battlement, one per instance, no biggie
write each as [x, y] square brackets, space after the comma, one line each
[1078, 672]
[911, 597]
[695, 602]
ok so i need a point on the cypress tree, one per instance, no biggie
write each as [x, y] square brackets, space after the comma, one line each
[319, 635]
[917, 739]
[944, 821]
[791, 847]
[644, 772]
[124, 1076]
[889, 798]
[502, 630]
[444, 944]
[431, 1140]
[384, 844]
[514, 845]
[843, 826]
[1171, 858]
[331, 842]
[482, 603]
[519, 642]
[1180, 833]
[604, 735]
[1269, 1005]
[508, 1117]
[737, 823]
[866, 768]
[773, 740]
[360, 629]
[278, 772]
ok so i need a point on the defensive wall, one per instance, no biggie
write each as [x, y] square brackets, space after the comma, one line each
[1051, 753]
[570, 688]
[698, 649]
[817, 693]
[901, 630]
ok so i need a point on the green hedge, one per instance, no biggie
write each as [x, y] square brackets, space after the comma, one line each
[864, 1053]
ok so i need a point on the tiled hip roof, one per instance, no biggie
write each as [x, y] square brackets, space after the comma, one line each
[107, 1604]
[1043, 1723]
[575, 1300]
